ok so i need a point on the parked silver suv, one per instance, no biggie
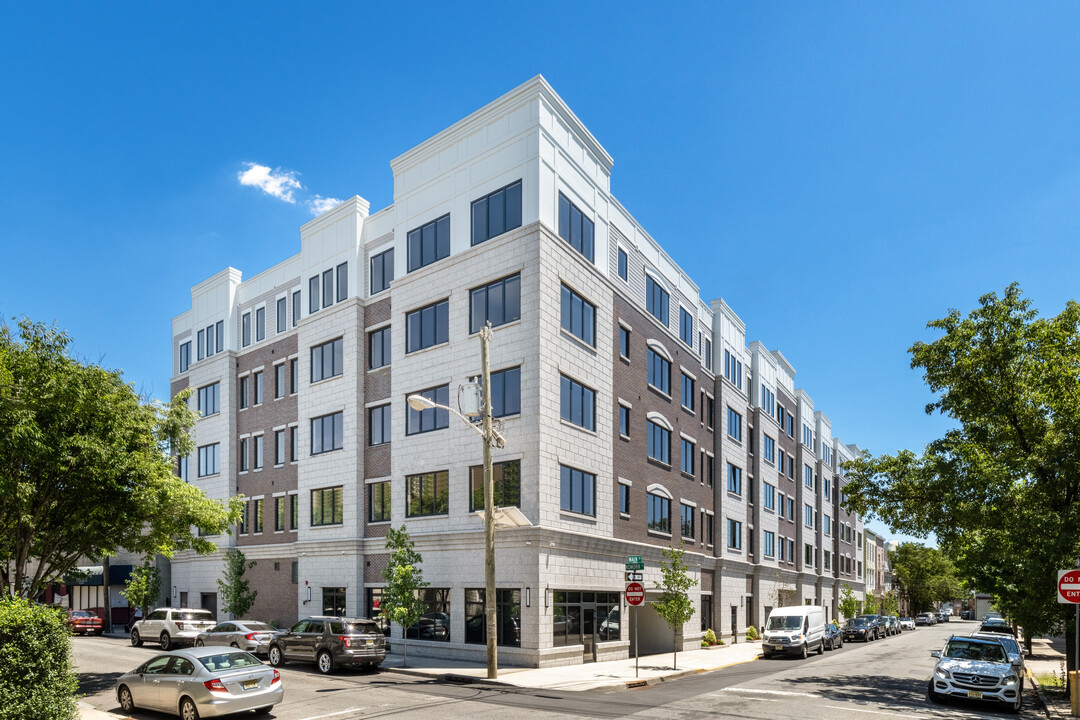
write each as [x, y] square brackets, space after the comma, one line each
[330, 642]
[978, 669]
[172, 626]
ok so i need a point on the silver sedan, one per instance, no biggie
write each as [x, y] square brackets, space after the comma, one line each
[249, 635]
[201, 682]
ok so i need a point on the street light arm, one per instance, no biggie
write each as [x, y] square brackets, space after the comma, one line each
[419, 402]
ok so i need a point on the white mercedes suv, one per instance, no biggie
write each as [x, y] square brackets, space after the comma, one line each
[978, 669]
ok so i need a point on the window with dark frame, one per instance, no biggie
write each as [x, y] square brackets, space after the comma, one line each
[624, 421]
[422, 421]
[498, 302]
[427, 494]
[327, 507]
[506, 485]
[328, 288]
[686, 525]
[185, 356]
[656, 299]
[296, 308]
[279, 447]
[279, 513]
[506, 392]
[379, 425]
[577, 403]
[507, 617]
[428, 243]
[575, 228]
[624, 270]
[279, 381]
[379, 348]
[294, 511]
[577, 491]
[326, 433]
[624, 342]
[496, 213]
[624, 498]
[245, 329]
[342, 281]
[578, 316]
[659, 517]
[687, 392]
[734, 534]
[427, 326]
[282, 315]
[208, 399]
[686, 327]
[208, 460]
[382, 271]
[379, 502]
[686, 459]
[260, 324]
[327, 360]
[659, 442]
[734, 482]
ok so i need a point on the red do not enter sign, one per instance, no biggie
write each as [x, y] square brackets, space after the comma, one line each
[1069, 586]
[635, 593]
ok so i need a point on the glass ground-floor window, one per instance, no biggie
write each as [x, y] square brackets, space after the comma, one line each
[333, 600]
[570, 607]
[374, 602]
[508, 617]
[435, 623]
[706, 613]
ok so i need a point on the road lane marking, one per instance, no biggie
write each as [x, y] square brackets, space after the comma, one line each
[333, 714]
[770, 692]
[875, 712]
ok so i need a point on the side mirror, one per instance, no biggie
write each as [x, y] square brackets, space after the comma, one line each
[935, 653]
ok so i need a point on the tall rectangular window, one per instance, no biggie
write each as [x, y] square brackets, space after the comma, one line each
[182, 468]
[279, 447]
[208, 460]
[257, 387]
[294, 376]
[258, 515]
[427, 326]
[734, 425]
[578, 403]
[260, 324]
[656, 300]
[202, 344]
[245, 329]
[379, 348]
[575, 228]
[577, 491]
[327, 507]
[428, 243]
[808, 555]
[326, 433]
[686, 524]
[382, 271]
[313, 295]
[659, 513]
[769, 496]
[707, 532]
[328, 288]
[210, 341]
[686, 327]
[422, 421]
[496, 213]
[768, 543]
[708, 354]
[342, 281]
[659, 369]
[294, 510]
[497, 302]
[327, 360]
[578, 316]
[659, 442]
[808, 515]
[219, 330]
[707, 465]
[279, 381]
[208, 399]
[686, 460]
[624, 269]
[379, 502]
[185, 356]
[734, 534]
[506, 392]
[279, 513]
[243, 453]
[624, 421]
[734, 479]
[258, 448]
[379, 425]
[282, 315]
[687, 392]
[624, 499]
[768, 447]
[808, 437]
[624, 342]
[244, 381]
[296, 308]
[808, 476]
[427, 494]
[505, 485]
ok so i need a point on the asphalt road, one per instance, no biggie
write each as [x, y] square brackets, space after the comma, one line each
[874, 681]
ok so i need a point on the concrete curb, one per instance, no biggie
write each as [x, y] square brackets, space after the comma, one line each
[1049, 708]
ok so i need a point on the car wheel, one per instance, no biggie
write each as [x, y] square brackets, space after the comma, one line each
[264, 710]
[325, 663]
[275, 656]
[188, 711]
[821, 647]
[234, 645]
[805, 651]
[165, 640]
[136, 639]
[934, 697]
[1019, 701]
[127, 703]
[766, 654]
[199, 643]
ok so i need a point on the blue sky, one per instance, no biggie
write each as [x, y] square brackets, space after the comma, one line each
[840, 173]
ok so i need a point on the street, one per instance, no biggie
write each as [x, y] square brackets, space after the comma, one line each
[886, 678]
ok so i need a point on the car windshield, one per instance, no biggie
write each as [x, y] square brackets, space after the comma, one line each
[857, 622]
[984, 651]
[258, 626]
[229, 661]
[364, 627]
[785, 622]
[194, 615]
[80, 614]
[1010, 644]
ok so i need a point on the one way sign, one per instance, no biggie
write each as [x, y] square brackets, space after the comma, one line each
[1069, 586]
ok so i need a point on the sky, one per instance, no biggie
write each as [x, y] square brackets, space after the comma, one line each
[840, 173]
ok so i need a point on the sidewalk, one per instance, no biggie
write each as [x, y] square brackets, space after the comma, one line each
[1048, 657]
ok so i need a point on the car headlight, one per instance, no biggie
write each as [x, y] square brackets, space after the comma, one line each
[942, 673]
[1010, 678]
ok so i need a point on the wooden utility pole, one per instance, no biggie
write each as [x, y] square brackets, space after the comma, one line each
[490, 608]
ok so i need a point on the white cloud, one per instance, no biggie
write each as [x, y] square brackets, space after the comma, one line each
[276, 183]
[319, 204]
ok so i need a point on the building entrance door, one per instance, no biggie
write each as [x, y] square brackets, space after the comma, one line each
[588, 632]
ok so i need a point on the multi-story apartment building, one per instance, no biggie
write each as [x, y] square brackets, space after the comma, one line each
[871, 586]
[635, 413]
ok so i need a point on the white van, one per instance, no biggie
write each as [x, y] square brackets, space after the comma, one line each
[797, 629]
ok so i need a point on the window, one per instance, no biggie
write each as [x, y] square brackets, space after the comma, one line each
[507, 617]
[257, 443]
[313, 294]
[506, 392]
[294, 444]
[826, 455]
[686, 525]
[258, 515]
[327, 360]
[208, 460]
[769, 496]
[326, 506]
[242, 528]
[734, 534]
[659, 372]
[624, 499]
[575, 228]
[808, 555]
[429, 243]
[707, 464]
[826, 560]
[294, 511]
[686, 459]
[578, 403]
[326, 433]
[182, 468]
[379, 502]
[780, 460]
[768, 399]
[768, 447]
[687, 392]
[577, 490]
[279, 514]
[791, 509]
[342, 281]
[296, 308]
[783, 553]
[328, 288]
[808, 476]
[624, 342]
[294, 376]
[659, 513]
[382, 271]
[505, 485]
[260, 324]
[498, 302]
[494, 214]
[219, 329]
[826, 488]
[734, 479]
[242, 451]
[826, 525]
[245, 329]
[422, 421]
[656, 300]
[379, 348]
[659, 442]
[624, 271]
[201, 344]
[279, 447]
[791, 467]
[210, 341]
[807, 436]
[279, 381]
[734, 425]
[686, 327]
[708, 530]
[282, 315]
[708, 354]
[428, 326]
[808, 515]
[185, 356]
[578, 316]
[257, 387]
[768, 543]
[379, 425]
[707, 410]
[208, 400]
[427, 494]
[733, 369]
[624, 421]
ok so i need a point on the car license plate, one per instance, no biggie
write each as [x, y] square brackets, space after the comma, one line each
[977, 694]
[249, 684]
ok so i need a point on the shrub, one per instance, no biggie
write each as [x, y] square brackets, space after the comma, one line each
[36, 678]
[710, 637]
[752, 634]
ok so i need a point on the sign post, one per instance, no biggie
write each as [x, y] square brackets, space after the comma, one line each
[635, 595]
[1068, 588]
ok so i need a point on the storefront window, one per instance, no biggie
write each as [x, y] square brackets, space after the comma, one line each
[435, 623]
[508, 617]
[570, 606]
[374, 601]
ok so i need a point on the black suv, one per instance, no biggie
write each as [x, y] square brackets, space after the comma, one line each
[330, 642]
[877, 625]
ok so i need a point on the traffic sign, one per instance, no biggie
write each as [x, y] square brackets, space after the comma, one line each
[635, 594]
[1069, 586]
[635, 576]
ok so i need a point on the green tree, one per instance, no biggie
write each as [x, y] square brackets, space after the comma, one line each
[237, 597]
[401, 601]
[674, 605]
[849, 604]
[1005, 474]
[889, 604]
[143, 586]
[36, 677]
[77, 442]
[924, 575]
[870, 605]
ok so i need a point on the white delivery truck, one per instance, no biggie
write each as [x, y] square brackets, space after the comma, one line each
[797, 629]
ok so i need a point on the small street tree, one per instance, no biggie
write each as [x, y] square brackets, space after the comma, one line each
[237, 597]
[674, 605]
[889, 604]
[849, 604]
[401, 601]
[870, 605]
[143, 586]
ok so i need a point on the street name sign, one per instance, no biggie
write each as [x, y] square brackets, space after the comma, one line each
[1069, 586]
[634, 562]
[635, 593]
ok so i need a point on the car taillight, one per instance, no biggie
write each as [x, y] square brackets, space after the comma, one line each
[216, 685]
[277, 677]
[179, 625]
[251, 636]
[347, 640]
